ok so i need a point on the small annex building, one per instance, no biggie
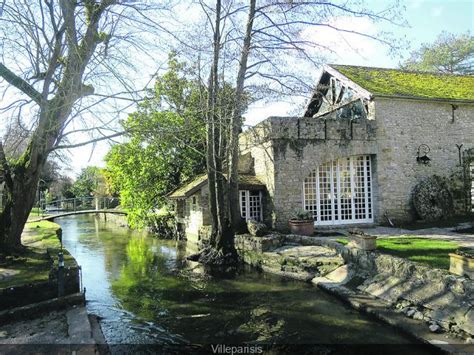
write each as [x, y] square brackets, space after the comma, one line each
[191, 203]
[367, 137]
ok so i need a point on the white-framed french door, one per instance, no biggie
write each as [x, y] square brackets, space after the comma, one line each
[251, 205]
[340, 191]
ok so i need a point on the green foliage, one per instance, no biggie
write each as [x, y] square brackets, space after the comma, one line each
[450, 53]
[302, 215]
[88, 182]
[165, 147]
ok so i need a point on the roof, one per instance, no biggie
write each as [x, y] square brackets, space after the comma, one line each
[189, 188]
[403, 83]
[194, 185]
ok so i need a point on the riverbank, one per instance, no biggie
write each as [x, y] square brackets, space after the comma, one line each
[59, 331]
[31, 275]
[430, 304]
[32, 316]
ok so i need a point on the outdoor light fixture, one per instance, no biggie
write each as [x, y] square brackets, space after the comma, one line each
[60, 259]
[454, 108]
[422, 156]
[459, 146]
[60, 274]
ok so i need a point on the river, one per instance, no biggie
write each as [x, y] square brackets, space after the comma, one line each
[145, 293]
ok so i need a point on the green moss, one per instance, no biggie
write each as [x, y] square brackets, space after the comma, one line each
[410, 84]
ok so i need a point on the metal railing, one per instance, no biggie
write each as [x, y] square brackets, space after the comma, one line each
[79, 204]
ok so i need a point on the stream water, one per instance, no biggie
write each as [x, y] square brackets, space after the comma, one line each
[144, 292]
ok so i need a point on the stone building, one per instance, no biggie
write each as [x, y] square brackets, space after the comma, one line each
[192, 204]
[368, 136]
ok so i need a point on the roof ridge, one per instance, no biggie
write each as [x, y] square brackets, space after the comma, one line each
[400, 70]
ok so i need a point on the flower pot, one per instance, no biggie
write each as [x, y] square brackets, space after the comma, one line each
[461, 264]
[301, 227]
[363, 241]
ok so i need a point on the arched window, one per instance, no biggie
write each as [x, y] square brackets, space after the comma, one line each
[340, 191]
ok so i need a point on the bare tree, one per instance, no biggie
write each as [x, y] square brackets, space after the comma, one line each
[55, 54]
[259, 52]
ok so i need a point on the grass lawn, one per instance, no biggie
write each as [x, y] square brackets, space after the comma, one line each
[427, 251]
[36, 212]
[33, 264]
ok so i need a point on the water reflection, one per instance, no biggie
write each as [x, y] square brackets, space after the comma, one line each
[145, 293]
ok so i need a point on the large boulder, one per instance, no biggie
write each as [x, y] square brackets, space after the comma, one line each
[257, 229]
[432, 199]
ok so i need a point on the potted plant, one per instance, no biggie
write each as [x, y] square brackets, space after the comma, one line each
[302, 223]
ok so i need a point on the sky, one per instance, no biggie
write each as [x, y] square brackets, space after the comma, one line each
[426, 20]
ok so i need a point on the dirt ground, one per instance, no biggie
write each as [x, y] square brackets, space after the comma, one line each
[51, 328]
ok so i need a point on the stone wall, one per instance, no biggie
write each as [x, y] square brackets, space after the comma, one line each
[297, 146]
[287, 149]
[255, 142]
[402, 125]
[118, 219]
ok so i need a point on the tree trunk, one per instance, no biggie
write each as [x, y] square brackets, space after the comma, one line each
[236, 124]
[19, 202]
[221, 251]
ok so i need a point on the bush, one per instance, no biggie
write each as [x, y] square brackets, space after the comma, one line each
[432, 199]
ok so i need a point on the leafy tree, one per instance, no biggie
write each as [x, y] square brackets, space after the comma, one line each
[167, 141]
[87, 181]
[450, 53]
[62, 188]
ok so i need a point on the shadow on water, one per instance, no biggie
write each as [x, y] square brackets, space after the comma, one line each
[145, 292]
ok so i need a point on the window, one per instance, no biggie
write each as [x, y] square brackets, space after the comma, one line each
[340, 191]
[251, 205]
[194, 204]
[471, 173]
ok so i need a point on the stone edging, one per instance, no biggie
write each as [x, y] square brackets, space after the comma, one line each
[407, 289]
[35, 309]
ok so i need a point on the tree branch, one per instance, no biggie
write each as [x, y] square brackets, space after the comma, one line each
[19, 83]
[118, 134]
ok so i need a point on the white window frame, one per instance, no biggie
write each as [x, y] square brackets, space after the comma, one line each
[244, 202]
[335, 186]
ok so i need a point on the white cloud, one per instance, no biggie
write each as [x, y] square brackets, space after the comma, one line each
[341, 45]
[259, 112]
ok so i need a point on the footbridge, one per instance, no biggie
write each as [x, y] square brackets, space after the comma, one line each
[76, 206]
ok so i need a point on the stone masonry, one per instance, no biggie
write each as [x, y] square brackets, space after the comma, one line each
[286, 149]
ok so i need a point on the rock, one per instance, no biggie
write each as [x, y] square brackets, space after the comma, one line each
[257, 229]
[455, 329]
[469, 341]
[410, 312]
[435, 328]
[403, 305]
[405, 310]
[259, 312]
[418, 315]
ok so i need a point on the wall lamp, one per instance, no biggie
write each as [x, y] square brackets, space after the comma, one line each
[422, 154]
